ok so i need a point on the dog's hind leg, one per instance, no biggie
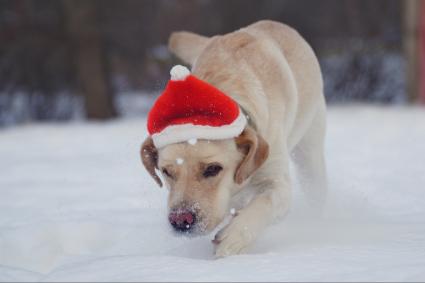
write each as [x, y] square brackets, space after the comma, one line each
[309, 158]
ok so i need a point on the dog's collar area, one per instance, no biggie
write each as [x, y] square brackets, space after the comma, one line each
[250, 121]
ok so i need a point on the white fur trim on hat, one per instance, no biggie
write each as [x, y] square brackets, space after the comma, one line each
[180, 133]
[179, 73]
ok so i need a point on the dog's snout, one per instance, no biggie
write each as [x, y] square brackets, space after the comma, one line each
[182, 221]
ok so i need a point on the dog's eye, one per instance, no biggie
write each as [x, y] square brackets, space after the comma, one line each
[166, 173]
[212, 170]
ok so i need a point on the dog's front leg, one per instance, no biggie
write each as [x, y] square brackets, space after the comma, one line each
[250, 221]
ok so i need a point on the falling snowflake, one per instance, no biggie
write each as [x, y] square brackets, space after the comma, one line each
[192, 141]
[179, 161]
[232, 211]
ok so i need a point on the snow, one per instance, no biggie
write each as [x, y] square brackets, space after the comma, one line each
[77, 205]
[192, 141]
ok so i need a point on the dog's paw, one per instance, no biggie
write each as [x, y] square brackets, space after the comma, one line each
[234, 238]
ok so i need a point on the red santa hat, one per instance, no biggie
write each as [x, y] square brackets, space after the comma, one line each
[191, 109]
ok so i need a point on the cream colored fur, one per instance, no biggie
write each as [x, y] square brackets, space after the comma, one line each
[271, 71]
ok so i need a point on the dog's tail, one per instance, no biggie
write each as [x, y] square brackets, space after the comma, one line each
[186, 45]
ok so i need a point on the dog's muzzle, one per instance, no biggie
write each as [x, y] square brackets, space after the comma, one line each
[182, 220]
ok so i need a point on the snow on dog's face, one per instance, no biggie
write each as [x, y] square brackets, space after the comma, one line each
[202, 176]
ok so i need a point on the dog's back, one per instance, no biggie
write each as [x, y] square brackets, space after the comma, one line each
[304, 68]
[266, 66]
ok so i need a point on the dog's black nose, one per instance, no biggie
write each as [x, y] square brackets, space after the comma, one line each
[182, 221]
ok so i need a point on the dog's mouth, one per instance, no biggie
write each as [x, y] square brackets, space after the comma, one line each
[195, 231]
[191, 230]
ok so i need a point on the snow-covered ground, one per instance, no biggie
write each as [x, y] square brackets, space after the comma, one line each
[76, 204]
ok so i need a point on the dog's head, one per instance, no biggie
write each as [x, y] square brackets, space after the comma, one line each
[203, 176]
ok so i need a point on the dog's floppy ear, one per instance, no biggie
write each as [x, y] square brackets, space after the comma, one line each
[186, 45]
[256, 151]
[149, 155]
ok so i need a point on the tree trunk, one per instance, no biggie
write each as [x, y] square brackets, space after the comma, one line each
[91, 62]
[411, 46]
[422, 51]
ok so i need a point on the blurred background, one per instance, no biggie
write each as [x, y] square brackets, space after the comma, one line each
[101, 59]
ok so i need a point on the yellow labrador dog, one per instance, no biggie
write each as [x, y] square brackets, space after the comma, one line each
[274, 76]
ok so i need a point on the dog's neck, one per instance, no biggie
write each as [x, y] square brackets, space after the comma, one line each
[248, 116]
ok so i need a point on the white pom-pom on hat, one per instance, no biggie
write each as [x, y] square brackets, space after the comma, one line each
[179, 73]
